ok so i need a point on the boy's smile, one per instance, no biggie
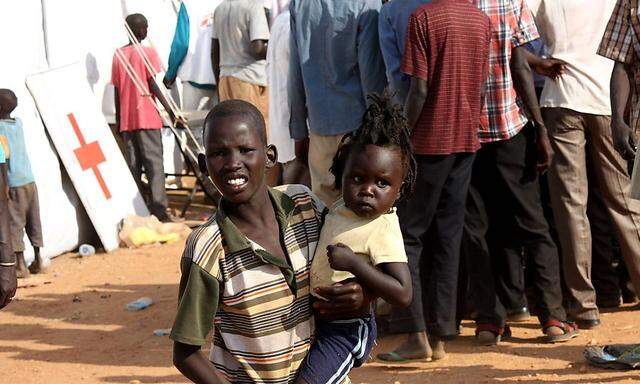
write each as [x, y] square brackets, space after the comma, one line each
[235, 157]
[372, 180]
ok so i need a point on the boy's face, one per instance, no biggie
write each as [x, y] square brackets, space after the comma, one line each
[236, 158]
[372, 179]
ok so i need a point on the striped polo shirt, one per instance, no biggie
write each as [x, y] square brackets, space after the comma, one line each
[257, 304]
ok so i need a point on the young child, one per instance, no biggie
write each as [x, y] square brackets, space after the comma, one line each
[361, 237]
[8, 283]
[24, 208]
[247, 269]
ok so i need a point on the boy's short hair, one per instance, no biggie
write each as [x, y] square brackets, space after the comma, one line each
[6, 97]
[237, 107]
[135, 18]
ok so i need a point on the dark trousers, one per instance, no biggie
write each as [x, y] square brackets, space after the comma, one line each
[143, 148]
[431, 222]
[504, 220]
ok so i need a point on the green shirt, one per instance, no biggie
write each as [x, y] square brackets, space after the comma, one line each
[260, 304]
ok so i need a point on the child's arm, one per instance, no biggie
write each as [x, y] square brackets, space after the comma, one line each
[116, 101]
[193, 365]
[392, 281]
[155, 90]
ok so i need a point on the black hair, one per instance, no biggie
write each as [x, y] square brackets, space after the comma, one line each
[7, 95]
[135, 18]
[384, 125]
[237, 107]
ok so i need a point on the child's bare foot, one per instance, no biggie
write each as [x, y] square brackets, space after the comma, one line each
[416, 347]
[38, 265]
[437, 345]
[22, 272]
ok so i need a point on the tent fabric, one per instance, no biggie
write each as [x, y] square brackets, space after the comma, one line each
[50, 33]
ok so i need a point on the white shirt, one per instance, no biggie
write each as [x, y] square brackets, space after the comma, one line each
[236, 23]
[278, 55]
[572, 30]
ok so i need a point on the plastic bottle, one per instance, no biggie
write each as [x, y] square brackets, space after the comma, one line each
[140, 304]
[86, 250]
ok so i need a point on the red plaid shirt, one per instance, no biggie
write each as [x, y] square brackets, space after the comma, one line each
[448, 47]
[512, 26]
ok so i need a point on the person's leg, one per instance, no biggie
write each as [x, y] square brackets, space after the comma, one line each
[33, 228]
[569, 193]
[132, 157]
[531, 231]
[605, 246]
[490, 313]
[321, 152]
[416, 215]
[150, 147]
[18, 217]
[610, 171]
[442, 282]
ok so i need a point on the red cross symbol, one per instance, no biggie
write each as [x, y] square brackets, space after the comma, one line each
[89, 155]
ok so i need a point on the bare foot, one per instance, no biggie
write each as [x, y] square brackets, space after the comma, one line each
[38, 265]
[415, 347]
[22, 272]
[437, 345]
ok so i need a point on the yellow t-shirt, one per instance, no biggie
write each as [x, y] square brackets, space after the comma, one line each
[378, 240]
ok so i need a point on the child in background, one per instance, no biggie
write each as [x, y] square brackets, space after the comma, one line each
[361, 237]
[8, 283]
[24, 208]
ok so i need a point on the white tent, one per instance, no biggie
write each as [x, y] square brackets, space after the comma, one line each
[43, 34]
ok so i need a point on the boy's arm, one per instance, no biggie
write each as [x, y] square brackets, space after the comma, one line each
[523, 83]
[116, 101]
[155, 91]
[194, 365]
[623, 139]
[415, 101]
[259, 49]
[215, 59]
[392, 281]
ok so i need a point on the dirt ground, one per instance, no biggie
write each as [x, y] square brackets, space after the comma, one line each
[70, 325]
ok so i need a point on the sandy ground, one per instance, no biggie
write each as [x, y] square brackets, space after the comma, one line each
[70, 326]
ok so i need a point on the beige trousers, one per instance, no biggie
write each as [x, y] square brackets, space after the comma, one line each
[232, 88]
[575, 137]
[321, 152]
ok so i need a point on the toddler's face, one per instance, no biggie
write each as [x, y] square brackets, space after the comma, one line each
[372, 179]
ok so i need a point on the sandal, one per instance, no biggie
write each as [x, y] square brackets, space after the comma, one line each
[487, 329]
[395, 357]
[569, 329]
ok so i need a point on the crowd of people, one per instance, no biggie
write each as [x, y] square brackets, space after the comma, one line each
[465, 158]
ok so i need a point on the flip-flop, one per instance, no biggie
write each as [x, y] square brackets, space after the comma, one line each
[570, 331]
[396, 358]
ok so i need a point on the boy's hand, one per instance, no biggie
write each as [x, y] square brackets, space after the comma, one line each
[344, 300]
[341, 257]
[181, 122]
[168, 82]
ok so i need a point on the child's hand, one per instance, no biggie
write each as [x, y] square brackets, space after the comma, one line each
[341, 257]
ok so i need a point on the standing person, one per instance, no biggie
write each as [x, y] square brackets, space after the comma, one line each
[190, 57]
[621, 44]
[24, 206]
[577, 110]
[278, 58]
[335, 63]
[503, 210]
[442, 37]
[8, 280]
[392, 31]
[136, 117]
[239, 49]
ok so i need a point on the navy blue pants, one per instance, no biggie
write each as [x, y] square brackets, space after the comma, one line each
[339, 346]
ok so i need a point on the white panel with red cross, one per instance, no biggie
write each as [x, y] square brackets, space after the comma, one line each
[87, 148]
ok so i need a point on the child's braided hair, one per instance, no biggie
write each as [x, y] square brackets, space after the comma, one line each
[383, 124]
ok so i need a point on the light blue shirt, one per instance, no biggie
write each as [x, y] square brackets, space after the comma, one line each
[19, 166]
[392, 27]
[3, 158]
[335, 63]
